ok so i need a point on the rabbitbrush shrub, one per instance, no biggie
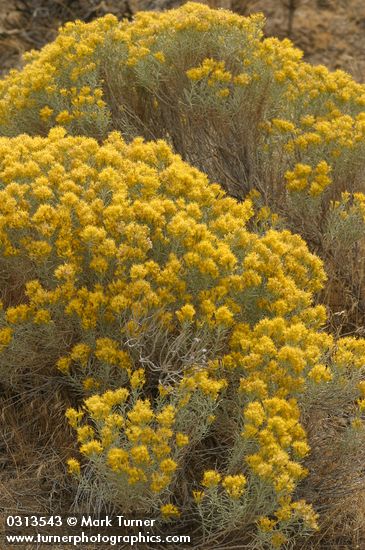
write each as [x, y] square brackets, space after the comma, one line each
[245, 110]
[190, 344]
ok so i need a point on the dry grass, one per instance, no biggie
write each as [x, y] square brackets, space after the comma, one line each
[336, 482]
[35, 441]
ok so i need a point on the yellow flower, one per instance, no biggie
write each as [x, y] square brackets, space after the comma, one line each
[115, 420]
[133, 433]
[320, 373]
[73, 416]
[224, 316]
[159, 482]
[138, 379]
[278, 539]
[209, 386]
[301, 448]
[182, 439]
[211, 478]
[163, 391]
[135, 475]
[283, 125]
[357, 423]
[97, 407]
[17, 314]
[107, 435]
[161, 450]
[137, 241]
[45, 112]
[84, 433]
[266, 524]
[198, 496]
[90, 384]
[91, 448]
[80, 352]
[169, 510]
[140, 454]
[234, 485]
[284, 512]
[168, 466]
[116, 397]
[5, 337]
[73, 466]
[64, 364]
[42, 316]
[141, 412]
[242, 79]
[306, 512]
[118, 459]
[167, 416]
[361, 388]
[107, 350]
[223, 93]
[159, 56]
[186, 313]
[64, 116]
[254, 413]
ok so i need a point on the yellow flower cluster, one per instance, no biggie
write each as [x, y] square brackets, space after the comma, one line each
[320, 115]
[320, 373]
[234, 485]
[348, 213]
[275, 427]
[134, 442]
[288, 510]
[5, 337]
[212, 69]
[215, 75]
[298, 179]
[350, 353]
[73, 466]
[169, 510]
[211, 479]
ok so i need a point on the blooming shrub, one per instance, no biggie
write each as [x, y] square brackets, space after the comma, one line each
[139, 282]
[263, 118]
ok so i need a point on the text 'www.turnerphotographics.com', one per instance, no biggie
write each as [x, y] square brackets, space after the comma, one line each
[79, 530]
